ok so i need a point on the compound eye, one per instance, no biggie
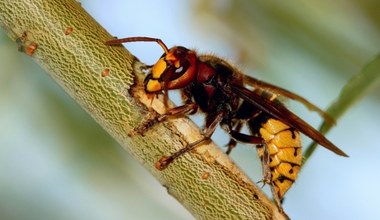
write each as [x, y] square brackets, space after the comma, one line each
[173, 73]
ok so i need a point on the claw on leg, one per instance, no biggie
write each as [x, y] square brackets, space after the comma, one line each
[163, 163]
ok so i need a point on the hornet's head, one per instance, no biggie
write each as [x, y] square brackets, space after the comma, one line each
[175, 69]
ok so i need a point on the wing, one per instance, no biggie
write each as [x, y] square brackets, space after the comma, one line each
[277, 90]
[281, 113]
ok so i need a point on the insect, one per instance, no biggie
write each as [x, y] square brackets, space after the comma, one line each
[232, 100]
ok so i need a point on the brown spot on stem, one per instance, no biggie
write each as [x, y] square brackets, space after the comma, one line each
[105, 72]
[69, 30]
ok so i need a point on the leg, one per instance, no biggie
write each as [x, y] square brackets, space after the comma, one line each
[267, 175]
[179, 111]
[232, 143]
[236, 135]
[245, 138]
[265, 160]
[276, 198]
[166, 160]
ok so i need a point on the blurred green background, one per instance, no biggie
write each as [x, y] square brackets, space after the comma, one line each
[57, 163]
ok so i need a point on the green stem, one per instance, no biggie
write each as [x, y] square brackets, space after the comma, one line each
[353, 91]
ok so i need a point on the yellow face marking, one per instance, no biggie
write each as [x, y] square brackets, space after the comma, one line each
[177, 64]
[158, 68]
[153, 86]
[170, 57]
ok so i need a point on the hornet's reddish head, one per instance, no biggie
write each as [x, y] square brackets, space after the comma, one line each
[175, 69]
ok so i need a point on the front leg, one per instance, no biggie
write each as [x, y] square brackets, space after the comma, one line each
[179, 111]
[166, 160]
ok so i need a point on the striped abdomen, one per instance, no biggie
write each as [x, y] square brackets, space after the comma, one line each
[281, 156]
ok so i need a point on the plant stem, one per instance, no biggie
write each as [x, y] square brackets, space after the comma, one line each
[69, 45]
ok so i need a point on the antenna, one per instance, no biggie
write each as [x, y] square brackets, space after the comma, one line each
[136, 39]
